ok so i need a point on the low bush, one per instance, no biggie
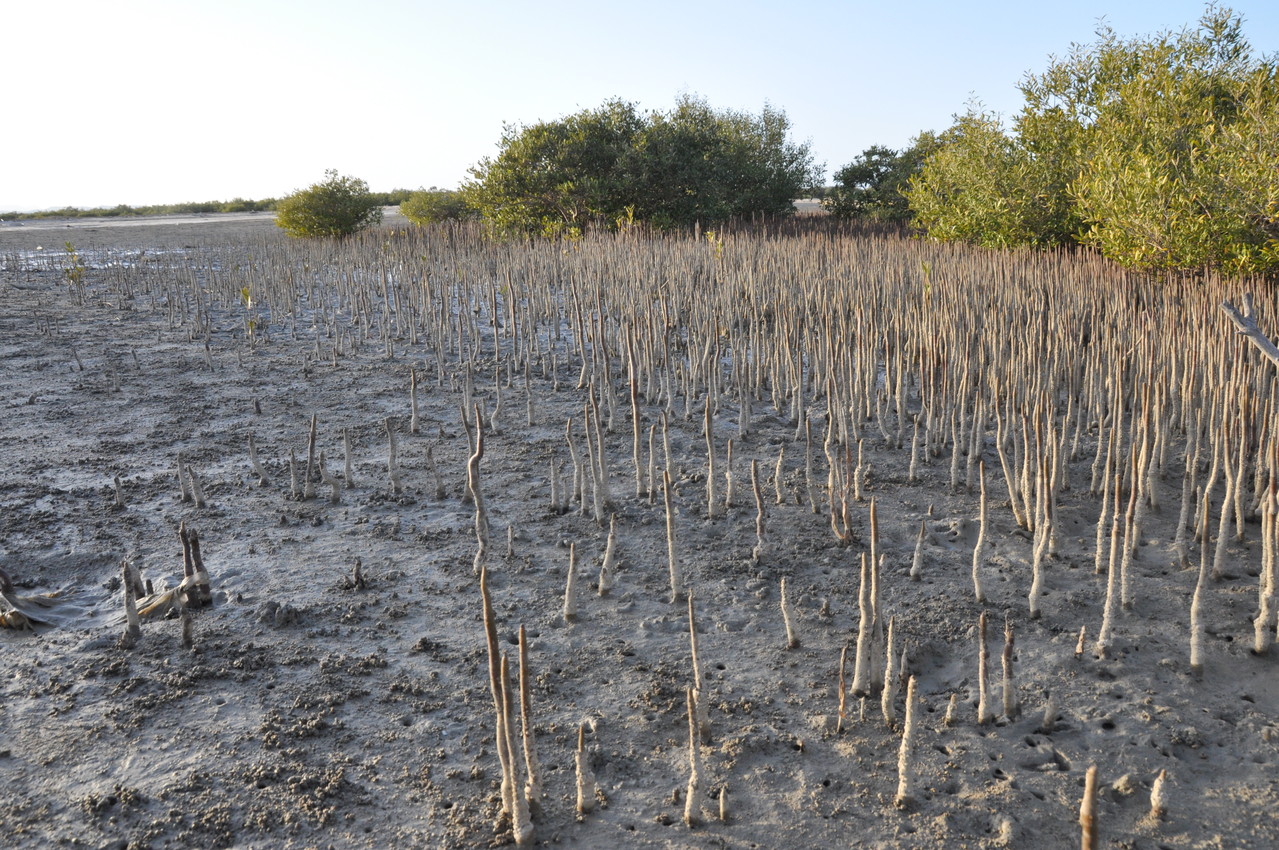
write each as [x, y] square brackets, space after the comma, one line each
[337, 206]
[430, 206]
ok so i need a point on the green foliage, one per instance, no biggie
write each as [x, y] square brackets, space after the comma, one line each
[73, 268]
[978, 186]
[243, 205]
[613, 166]
[560, 175]
[430, 206]
[873, 185]
[1245, 158]
[338, 206]
[74, 271]
[698, 164]
[1162, 152]
[1172, 166]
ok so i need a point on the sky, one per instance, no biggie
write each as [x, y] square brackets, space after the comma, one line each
[166, 101]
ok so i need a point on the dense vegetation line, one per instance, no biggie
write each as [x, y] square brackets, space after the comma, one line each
[1160, 151]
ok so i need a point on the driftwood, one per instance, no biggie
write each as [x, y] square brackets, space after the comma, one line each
[42, 609]
[193, 592]
[1246, 322]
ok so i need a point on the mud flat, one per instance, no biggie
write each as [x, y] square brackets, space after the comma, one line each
[338, 691]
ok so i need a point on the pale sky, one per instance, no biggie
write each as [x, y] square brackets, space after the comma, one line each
[165, 101]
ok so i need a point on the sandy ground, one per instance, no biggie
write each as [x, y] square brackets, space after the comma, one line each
[312, 713]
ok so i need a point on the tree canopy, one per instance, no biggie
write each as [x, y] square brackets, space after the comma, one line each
[873, 185]
[1161, 151]
[613, 165]
[979, 186]
[430, 206]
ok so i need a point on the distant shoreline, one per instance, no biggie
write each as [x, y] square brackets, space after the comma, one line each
[390, 213]
[131, 221]
[181, 219]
